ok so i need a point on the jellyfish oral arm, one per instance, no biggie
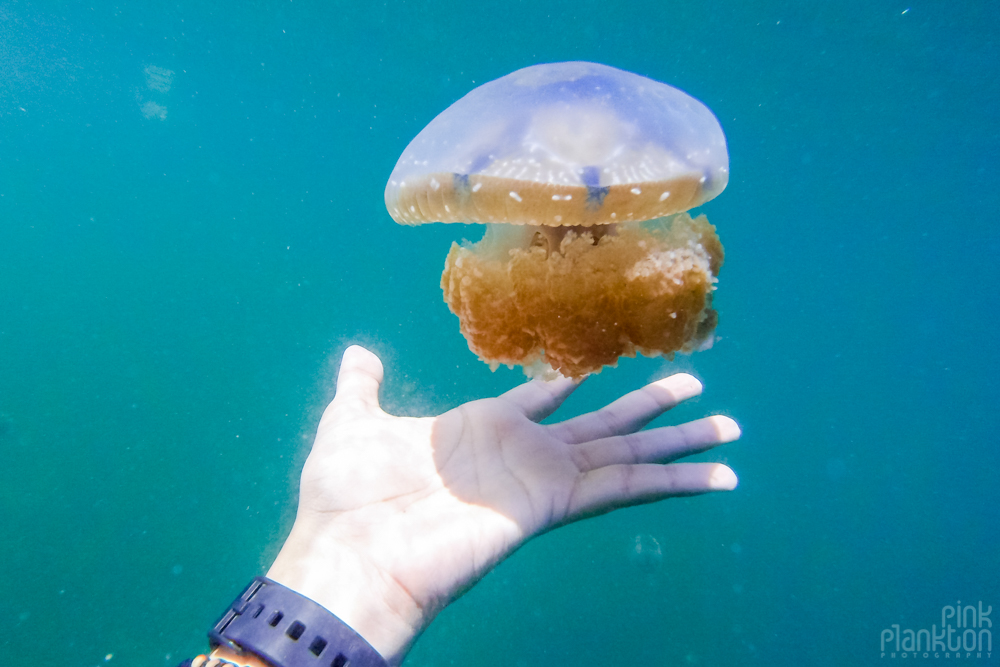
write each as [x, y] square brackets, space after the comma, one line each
[577, 299]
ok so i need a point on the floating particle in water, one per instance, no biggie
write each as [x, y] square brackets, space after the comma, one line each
[153, 110]
[158, 78]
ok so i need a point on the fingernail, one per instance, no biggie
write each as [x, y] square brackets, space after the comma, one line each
[727, 429]
[682, 386]
[722, 479]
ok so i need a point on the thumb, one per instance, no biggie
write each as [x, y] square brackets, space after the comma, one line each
[359, 379]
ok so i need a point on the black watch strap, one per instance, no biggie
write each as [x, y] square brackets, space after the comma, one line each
[290, 630]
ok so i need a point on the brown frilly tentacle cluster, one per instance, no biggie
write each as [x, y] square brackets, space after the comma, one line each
[581, 305]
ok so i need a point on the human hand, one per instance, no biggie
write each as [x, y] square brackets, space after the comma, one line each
[398, 516]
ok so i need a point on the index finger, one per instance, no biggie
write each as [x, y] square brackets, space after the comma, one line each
[630, 412]
[540, 398]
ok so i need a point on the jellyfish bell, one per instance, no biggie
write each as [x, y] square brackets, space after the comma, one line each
[645, 553]
[583, 142]
[582, 174]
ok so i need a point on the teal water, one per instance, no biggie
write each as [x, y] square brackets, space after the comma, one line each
[183, 258]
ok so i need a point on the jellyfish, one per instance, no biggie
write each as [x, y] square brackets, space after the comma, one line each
[646, 553]
[582, 175]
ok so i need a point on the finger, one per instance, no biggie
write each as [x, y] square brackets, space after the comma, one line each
[659, 444]
[540, 398]
[630, 412]
[359, 379]
[613, 487]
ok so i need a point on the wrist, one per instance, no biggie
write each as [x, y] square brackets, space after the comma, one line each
[327, 571]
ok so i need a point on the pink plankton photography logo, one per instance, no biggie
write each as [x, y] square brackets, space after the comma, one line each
[966, 633]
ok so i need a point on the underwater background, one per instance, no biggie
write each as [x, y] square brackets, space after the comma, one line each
[192, 229]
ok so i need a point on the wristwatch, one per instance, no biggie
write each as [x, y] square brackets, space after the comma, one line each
[289, 630]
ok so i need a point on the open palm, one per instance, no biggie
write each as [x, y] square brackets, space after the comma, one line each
[412, 511]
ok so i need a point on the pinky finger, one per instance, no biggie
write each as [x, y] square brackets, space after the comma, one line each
[616, 486]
